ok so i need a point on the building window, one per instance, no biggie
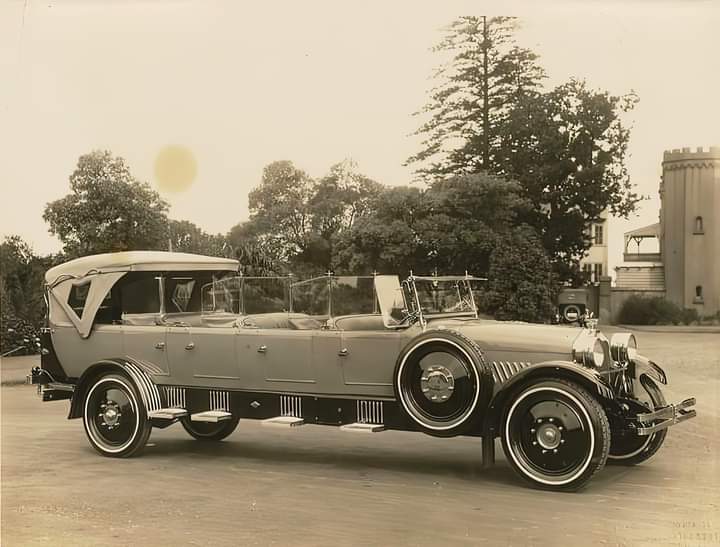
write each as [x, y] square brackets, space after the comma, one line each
[598, 238]
[699, 229]
[698, 295]
[592, 272]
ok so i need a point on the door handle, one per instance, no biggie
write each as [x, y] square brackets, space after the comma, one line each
[160, 345]
[190, 345]
[343, 352]
[262, 349]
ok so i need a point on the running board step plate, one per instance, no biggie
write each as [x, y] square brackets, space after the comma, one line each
[286, 421]
[213, 416]
[367, 428]
[167, 413]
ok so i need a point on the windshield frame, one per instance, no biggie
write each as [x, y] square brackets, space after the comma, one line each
[417, 310]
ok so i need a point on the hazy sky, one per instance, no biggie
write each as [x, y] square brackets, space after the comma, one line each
[242, 85]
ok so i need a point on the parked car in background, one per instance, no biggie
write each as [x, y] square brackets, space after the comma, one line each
[140, 340]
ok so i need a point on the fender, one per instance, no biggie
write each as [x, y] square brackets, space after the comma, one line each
[642, 366]
[138, 372]
[586, 377]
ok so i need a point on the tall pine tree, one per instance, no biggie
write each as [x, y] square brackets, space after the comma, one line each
[484, 79]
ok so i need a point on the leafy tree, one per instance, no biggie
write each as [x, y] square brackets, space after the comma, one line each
[186, 237]
[521, 284]
[22, 306]
[485, 78]
[567, 147]
[107, 210]
[387, 239]
[297, 219]
[279, 207]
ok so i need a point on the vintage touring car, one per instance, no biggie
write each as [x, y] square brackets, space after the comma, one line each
[144, 339]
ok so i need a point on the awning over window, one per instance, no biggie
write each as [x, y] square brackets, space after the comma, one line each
[653, 230]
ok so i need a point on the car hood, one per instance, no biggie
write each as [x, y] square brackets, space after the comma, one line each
[504, 336]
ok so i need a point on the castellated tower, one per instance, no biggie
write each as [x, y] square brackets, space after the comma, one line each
[690, 228]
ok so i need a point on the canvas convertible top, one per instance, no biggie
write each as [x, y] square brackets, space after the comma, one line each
[138, 261]
[102, 271]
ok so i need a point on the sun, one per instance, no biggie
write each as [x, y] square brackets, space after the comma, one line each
[175, 168]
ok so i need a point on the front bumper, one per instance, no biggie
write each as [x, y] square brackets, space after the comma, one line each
[664, 417]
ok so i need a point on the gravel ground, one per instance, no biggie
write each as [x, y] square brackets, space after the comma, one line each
[321, 486]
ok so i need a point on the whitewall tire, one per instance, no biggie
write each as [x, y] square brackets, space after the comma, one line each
[555, 434]
[115, 417]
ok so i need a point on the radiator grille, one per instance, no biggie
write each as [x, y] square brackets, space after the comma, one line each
[504, 370]
[370, 412]
[291, 405]
[219, 400]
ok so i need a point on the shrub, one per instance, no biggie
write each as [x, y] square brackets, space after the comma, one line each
[643, 310]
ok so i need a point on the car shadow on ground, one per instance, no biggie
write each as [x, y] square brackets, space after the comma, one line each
[351, 458]
[284, 455]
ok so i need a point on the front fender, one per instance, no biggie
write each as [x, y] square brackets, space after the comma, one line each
[642, 366]
[136, 371]
[583, 376]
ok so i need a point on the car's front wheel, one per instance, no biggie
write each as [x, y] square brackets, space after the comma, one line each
[210, 431]
[555, 434]
[114, 417]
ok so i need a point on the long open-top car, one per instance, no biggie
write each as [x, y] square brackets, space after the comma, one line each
[138, 340]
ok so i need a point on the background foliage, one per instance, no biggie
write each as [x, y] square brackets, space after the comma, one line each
[511, 172]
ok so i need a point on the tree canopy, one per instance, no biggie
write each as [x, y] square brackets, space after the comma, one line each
[566, 146]
[107, 210]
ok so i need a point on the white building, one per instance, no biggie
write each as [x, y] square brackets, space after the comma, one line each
[595, 263]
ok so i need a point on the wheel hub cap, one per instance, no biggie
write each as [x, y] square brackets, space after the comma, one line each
[548, 436]
[437, 384]
[110, 414]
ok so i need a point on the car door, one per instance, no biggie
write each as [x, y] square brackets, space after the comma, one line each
[202, 355]
[285, 356]
[368, 358]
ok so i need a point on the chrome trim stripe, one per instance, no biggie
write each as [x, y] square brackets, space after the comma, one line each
[175, 397]
[148, 390]
[370, 412]
[219, 400]
[502, 371]
[291, 405]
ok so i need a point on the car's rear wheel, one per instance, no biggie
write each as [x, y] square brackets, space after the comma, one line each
[114, 417]
[633, 449]
[210, 431]
[555, 434]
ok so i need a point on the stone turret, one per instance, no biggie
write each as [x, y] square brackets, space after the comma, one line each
[690, 227]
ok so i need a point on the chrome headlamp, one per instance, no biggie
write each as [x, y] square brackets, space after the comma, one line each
[623, 347]
[589, 350]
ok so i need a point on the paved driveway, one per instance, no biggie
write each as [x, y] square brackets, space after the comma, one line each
[318, 485]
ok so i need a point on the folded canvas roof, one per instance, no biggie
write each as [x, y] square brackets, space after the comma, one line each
[138, 261]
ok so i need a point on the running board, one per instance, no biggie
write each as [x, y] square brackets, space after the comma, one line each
[286, 421]
[212, 416]
[363, 427]
[167, 413]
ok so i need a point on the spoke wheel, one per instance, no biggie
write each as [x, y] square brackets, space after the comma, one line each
[114, 417]
[209, 431]
[634, 449]
[556, 435]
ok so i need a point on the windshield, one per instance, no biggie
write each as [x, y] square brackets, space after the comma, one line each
[443, 295]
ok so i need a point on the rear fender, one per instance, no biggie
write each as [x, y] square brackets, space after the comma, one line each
[585, 377]
[134, 370]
